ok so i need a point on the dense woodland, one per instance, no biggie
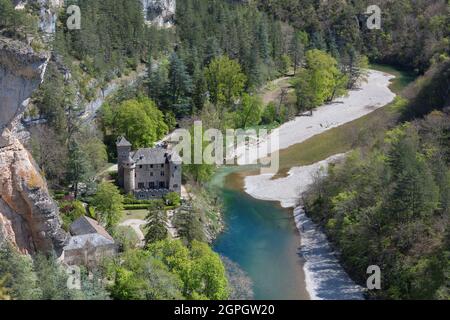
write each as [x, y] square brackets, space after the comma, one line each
[387, 204]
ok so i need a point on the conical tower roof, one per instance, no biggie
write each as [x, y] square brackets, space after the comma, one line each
[122, 142]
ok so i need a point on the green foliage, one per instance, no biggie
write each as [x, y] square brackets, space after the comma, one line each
[139, 120]
[43, 278]
[110, 39]
[15, 23]
[179, 85]
[173, 199]
[108, 203]
[199, 268]
[139, 276]
[389, 207]
[320, 81]
[156, 227]
[71, 211]
[237, 30]
[3, 291]
[336, 26]
[248, 112]
[189, 224]
[225, 81]
[125, 237]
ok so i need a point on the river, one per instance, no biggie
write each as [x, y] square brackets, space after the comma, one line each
[263, 239]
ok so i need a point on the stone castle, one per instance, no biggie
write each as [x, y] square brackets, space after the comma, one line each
[148, 173]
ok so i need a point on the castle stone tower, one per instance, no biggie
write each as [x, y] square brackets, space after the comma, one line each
[123, 153]
[129, 177]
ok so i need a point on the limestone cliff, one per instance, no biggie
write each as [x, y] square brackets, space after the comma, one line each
[159, 12]
[29, 217]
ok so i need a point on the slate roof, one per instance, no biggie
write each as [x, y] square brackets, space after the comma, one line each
[150, 156]
[85, 225]
[81, 241]
[122, 142]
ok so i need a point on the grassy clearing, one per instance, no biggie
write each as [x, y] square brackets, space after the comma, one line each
[134, 214]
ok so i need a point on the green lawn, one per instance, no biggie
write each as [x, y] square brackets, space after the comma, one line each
[134, 214]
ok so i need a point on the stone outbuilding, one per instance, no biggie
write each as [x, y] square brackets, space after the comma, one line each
[89, 245]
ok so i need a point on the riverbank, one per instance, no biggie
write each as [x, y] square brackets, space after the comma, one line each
[372, 95]
[324, 278]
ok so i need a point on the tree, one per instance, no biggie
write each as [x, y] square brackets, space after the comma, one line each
[189, 225]
[248, 112]
[320, 81]
[179, 86]
[199, 268]
[140, 121]
[17, 274]
[50, 153]
[108, 203]
[140, 276]
[225, 81]
[51, 279]
[173, 199]
[3, 291]
[208, 273]
[353, 66]
[297, 49]
[286, 63]
[157, 222]
[415, 193]
[78, 166]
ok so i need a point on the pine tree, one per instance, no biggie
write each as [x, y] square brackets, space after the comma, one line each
[179, 86]
[156, 227]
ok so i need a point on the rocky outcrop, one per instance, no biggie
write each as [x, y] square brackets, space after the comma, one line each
[29, 217]
[21, 72]
[48, 13]
[159, 12]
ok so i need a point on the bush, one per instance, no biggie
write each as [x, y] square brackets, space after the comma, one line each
[136, 206]
[173, 199]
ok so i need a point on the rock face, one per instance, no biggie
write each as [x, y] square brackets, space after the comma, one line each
[21, 71]
[48, 13]
[159, 12]
[29, 217]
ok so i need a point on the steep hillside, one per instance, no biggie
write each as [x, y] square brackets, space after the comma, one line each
[28, 215]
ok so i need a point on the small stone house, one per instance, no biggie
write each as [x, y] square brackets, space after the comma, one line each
[89, 244]
[148, 173]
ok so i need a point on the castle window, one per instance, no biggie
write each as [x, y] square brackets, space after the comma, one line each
[175, 186]
[162, 173]
[140, 167]
[151, 185]
[151, 166]
[141, 185]
[162, 166]
[162, 185]
[151, 174]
